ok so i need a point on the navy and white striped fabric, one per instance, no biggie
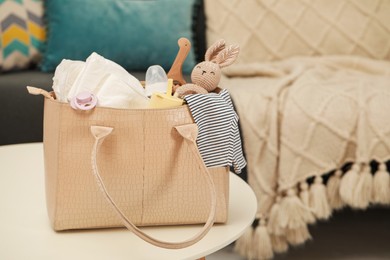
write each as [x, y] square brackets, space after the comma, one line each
[219, 139]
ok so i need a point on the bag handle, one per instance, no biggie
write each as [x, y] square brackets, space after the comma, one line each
[189, 133]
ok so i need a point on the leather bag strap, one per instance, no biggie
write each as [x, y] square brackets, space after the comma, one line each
[189, 133]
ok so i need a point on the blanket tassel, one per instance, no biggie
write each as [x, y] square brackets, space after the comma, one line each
[348, 184]
[381, 186]
[318, 199]
[277, 233]
[243, 244]
[304, 193]
[298, 236]
[333, 187]
[363, 190]
[279, 243]
[262, 247]
[293, 213]
[274, 226]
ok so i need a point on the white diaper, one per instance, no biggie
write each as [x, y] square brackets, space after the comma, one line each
[64, 77]
[109, 82]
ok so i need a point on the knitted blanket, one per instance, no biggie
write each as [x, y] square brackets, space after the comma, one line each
[316, 134]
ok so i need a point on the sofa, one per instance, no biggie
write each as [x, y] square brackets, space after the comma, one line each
[296, 57]
[22, 116]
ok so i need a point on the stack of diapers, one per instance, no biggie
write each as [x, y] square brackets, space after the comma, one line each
[112, 85]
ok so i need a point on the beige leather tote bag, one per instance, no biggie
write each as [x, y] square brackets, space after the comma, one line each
[111, 167]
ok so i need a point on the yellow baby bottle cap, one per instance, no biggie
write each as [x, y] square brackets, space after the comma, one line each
[161, 100]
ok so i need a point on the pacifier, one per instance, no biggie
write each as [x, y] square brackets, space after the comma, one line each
[83, 101]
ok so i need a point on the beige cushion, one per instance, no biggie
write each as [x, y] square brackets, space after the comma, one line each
[270, 30]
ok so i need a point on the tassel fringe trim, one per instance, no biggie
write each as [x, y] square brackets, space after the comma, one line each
[286, 222]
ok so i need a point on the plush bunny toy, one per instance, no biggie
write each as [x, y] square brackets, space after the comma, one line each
[206, 75]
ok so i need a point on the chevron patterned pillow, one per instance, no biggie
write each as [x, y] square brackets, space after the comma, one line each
[21, 33]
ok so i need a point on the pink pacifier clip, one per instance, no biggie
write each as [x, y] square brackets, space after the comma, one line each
[84, 101]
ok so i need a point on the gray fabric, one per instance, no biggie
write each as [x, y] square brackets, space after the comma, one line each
[35, 18]
[21, 115]
[13, 19]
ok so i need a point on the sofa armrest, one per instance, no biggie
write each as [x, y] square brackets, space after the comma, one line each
[21, 115]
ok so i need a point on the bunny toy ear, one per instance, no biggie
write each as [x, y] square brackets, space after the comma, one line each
[227, 56]
[213, 50]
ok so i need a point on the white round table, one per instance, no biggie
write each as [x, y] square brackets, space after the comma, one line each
[25, 232]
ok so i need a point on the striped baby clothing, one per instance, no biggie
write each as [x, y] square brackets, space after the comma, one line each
[219, 141]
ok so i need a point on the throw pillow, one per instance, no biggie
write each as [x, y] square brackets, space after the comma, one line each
[134, 34]
[270, 30]
[21, 33]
